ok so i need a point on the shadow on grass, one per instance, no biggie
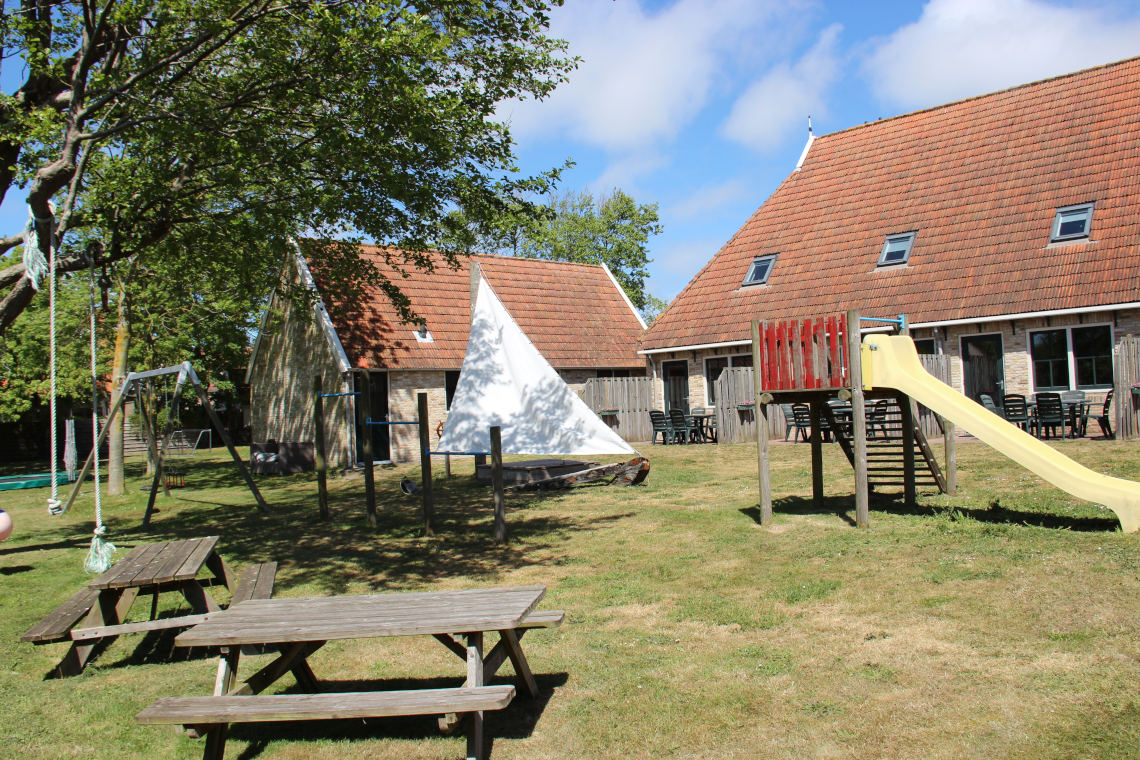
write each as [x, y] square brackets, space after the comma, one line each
[345, 552]
[517, 721]
[894, 503]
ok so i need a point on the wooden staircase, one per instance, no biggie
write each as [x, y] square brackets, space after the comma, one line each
[886, 447]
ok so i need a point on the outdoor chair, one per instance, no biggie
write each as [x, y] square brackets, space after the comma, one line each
[660, 425]
[1017, 410]
[1104, 419]
[802, 415]
[841, 411]
[988, 402]
[1050, 414]
[1076, 404]
[791, 423]
[682, 426]
[877, 417]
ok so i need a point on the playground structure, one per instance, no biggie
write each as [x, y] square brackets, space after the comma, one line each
[134, 381]
[808, 361]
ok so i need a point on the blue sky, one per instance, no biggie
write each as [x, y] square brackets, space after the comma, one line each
[701, 106]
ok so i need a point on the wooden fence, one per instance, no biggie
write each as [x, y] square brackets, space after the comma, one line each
[624, 403]
[736, 416]
[803, 354]
[1125, 373]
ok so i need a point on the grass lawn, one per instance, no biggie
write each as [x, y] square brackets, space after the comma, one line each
[1002, 623]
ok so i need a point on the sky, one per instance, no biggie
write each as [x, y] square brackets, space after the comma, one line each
[701, 106]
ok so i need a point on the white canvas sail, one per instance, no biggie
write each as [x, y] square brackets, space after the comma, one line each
[505, 381]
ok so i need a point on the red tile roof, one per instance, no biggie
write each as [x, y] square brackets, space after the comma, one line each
[980, 181]
[573, 313]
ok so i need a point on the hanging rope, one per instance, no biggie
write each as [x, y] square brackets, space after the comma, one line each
[99, 557]
[34, 265]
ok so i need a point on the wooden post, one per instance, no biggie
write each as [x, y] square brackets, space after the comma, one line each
[476, 275]
[950, 444]
[369, 472]
[910, 493]
[319, 448]
[499, 497]
[854, 351]
[425, 464]
[763, 465]
[816, 455]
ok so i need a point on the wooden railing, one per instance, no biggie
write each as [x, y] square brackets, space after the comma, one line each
[806, 354]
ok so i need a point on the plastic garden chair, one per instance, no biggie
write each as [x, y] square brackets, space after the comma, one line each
[1017, 410]
[682, 426]
[1104, 419]
[1050, 414]
[661, 425]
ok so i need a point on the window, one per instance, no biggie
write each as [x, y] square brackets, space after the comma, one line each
[450, 381]
[759, 270]
[897, 249]
[1050, 352]
[713, 368]
[1071, 222]
[614, 373]
[925, 346]
[1092, 355]
[717, 364]
[1072, 357]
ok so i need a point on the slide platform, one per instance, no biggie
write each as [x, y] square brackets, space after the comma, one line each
[890, 361]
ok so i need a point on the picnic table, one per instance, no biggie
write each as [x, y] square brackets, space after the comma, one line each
[171, 567]
[298, 627]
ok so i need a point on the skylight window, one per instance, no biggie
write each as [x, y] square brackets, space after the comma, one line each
[1071, 223]
[897, 249]
[759, 270]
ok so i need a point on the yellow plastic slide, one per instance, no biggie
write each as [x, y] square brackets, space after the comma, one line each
[890, 361]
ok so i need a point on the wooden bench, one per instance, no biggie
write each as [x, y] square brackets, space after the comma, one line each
[255, 582]
[57, 625]
[213, 715]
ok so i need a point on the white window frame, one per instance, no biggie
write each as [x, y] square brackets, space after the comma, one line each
[908, 237]
[771, 261]
[1055, 235]
[745, 360]
[1071, 357]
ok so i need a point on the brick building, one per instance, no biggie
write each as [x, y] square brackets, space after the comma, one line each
[1006, 228]
[576, 315]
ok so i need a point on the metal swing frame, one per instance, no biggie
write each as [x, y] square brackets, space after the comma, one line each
[185, 373]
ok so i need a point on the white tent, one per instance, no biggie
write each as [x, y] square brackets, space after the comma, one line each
[505, 381]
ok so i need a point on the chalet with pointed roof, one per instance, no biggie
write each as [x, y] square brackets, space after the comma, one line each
[1005, 227]
[576, 315]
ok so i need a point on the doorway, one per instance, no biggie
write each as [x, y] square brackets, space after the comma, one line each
[676, 376]
[381, 441]
[982, 368]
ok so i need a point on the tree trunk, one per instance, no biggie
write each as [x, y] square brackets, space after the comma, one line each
[118, 372]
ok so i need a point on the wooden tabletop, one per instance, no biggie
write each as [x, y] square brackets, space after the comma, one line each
[150, 564]
[281, 620]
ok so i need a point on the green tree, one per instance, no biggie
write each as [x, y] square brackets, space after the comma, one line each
[612, 229]
[247, 121]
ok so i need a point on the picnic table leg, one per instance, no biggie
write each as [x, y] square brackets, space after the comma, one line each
[109, 609]
[221, 570]
[292, 659]
[518, 659]
[199, 599]
[475, 678]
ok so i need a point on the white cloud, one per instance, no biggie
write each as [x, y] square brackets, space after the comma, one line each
[777, 106]
[625, 172]
[960, 48]
[644, 74]
[711, 200]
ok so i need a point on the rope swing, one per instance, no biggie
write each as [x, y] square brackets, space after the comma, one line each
[99, 556]
[36, 266]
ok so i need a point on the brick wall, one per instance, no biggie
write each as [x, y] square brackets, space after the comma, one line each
[291, 352]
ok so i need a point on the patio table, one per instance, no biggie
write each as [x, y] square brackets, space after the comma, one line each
[298, 627]
[103, 605]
